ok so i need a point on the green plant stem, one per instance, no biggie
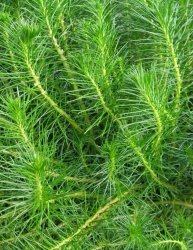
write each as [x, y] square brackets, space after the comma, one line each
[64, 61]
[71, 178]
[131, 142]
[88, 223]
[45, 95]
[110, 245]
[12, 55]
[177, 71]
[76, 195]
[14, 239]
[174, 57]
[180, 243]
[177, 203]
[158, 121]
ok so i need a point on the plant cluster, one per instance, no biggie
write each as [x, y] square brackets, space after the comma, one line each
[96, 113]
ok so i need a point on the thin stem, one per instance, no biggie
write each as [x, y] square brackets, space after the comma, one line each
[17, 238]
[11, 54]
[101, 98]
[63, 59]
[71, 178]
[131, 142]
[177, 71]
[39, 190]
[174, 57]
[158, 121]
[111, 245]
[45, 95]
[180, 243]
[88, 223]
[79, 195]
[112, 166]
[178, 203]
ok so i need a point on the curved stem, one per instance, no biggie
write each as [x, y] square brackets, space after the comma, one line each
[88, 223]
[63, 59]
[131, 142]
[158, 121]
[180, 243]
[52, 103]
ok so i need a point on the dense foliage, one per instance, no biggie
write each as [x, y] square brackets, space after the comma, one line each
[96, 114]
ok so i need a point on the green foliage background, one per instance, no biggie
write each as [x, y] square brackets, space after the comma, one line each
[96, 113]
